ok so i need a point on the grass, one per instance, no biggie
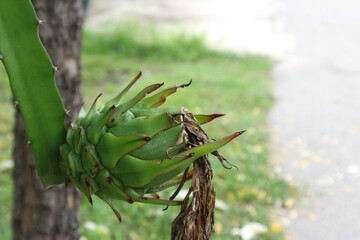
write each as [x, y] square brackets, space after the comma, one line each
[223, 83]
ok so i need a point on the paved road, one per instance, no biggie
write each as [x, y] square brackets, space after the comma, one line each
[316, 121]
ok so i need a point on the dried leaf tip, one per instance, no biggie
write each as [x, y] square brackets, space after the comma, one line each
[186, 84]
[236, 134]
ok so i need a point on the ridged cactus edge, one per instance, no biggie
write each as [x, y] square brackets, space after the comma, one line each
[31, 76]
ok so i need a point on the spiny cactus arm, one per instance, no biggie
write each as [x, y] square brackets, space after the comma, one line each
[31, 76]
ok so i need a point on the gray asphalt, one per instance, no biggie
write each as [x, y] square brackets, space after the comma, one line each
[316, 121]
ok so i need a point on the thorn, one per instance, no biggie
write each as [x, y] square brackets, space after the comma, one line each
[118, 215]
[67, 112]
[97, 169]
[69, 173]
[67, 183]
[155, 195]
[109, 202]
[28, 143]
[1, 57]
[16, 104]
[87, 183]
[88, 186]
[90, 199]
[40, 21]
[110, 179]
[56, 68]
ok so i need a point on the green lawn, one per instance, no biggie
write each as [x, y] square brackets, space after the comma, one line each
[222, 83]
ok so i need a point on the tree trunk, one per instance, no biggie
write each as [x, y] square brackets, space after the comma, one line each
[50, 213]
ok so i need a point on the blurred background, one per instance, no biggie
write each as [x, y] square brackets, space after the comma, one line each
[285, 71]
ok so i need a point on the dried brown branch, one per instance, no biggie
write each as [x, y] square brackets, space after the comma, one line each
[196, 218]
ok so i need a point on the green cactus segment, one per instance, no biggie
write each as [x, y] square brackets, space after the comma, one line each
[162, 145]
[141, 112]
[110, 152]
[93, 131]
[149, 125]
[202, 118]
[117, 98]
[127, 150]
[91, 160]
[31, 76]
[160, 98]
[90, 115]
[129, 104]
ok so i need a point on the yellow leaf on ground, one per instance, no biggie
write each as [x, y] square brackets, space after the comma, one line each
[275, 227]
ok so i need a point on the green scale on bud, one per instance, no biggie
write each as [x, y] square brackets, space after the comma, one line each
[130, 150]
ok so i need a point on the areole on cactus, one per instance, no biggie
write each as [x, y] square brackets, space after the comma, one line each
[128, 149]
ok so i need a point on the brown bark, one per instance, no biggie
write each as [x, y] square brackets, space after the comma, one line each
[50, 213]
